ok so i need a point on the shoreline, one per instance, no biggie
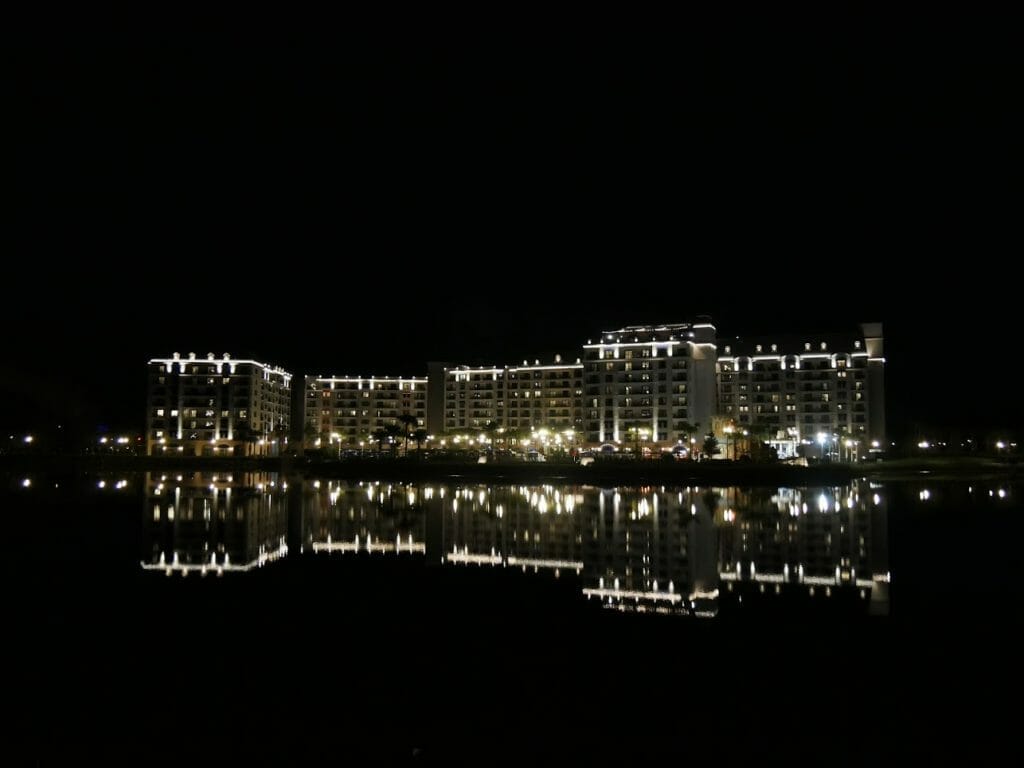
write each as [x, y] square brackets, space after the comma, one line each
[603, 473]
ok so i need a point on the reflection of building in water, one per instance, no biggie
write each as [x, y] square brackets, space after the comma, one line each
[689, 551]
[212, 523]
[635, 549]
[372, 517]
[528, 527]
[651, 549]
[822, 541]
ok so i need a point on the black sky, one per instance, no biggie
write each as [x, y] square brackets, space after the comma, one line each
[359, 206]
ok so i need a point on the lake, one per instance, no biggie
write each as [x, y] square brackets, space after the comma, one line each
[252, 616]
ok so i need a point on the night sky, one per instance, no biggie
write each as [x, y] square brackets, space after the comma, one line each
[416, 197]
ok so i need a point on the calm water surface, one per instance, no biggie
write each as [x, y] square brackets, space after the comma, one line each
[251, 615]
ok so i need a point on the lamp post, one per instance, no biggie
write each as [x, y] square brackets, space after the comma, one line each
[729, 440]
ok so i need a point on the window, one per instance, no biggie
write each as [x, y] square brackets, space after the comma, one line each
[174, 412]
[159, 411]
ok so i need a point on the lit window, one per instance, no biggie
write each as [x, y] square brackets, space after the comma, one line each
[159, 411]
[174, 412]
[159, 433]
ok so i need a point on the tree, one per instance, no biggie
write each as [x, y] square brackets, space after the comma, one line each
[394, 432]
[492, 429]
[420, 436]
[379, 435]
[408, 422]
[710, 444]
[686, 429]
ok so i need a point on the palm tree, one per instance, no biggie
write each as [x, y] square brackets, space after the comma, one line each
[394, 432]
[420, 436]
[686, 429]
[408, 421]
[379, 435]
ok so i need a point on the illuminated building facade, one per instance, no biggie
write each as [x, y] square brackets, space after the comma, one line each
[643, 384]
[526, 397]
[216, 406]
[473, 397]
[812, 389]
[639, 387]
[347, 410]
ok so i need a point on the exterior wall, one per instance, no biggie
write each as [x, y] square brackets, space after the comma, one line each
[473, 397]
[645, 383]
[874, 340]
[525, 397]
[216, 406]
[346, 410]
[435, 396]
[545, 397]
[799, 389]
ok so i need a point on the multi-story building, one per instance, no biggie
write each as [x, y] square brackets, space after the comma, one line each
[345, 410]
[646, 383]
[216, 406]
[526, 397]
[545, 396]
[473, 397]
[800, 388]
[641, 385]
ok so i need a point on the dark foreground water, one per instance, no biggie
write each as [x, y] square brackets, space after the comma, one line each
[200, 617]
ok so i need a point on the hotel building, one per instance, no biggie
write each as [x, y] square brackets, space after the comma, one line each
[216, 406]
[806, 387]
[643, 383]
[524, 397]
[346, 409]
